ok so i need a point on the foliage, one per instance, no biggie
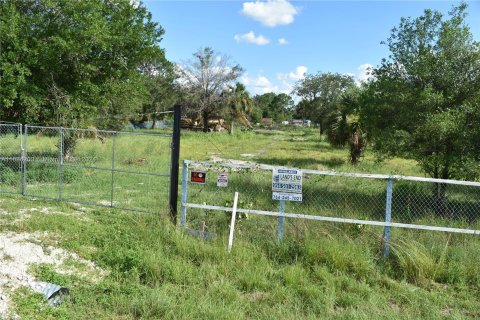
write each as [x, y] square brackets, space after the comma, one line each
[279, 107]
[203, 79]
[159, 77]
[74, 63]
[239, 103]
[345, 126]
[320, 95]
[425, 99]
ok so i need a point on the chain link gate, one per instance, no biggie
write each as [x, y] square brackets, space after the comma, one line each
[11, 164]
[118, 169]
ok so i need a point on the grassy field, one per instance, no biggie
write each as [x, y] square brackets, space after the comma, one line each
[320, 270]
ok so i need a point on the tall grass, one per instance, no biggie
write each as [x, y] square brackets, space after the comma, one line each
[319, 271]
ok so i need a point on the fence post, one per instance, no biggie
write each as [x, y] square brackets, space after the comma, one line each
[24, 162]
[232, 222]
[113, 170]
[60, 165]
[175, 163]
[20, 166]
[281, 219]
[388, 219]
[183, 220]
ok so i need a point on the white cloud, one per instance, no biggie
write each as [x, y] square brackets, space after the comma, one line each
[297, 74]
[259, 84]
[282, 41]
[251, 38]
[288, 79]
[271, 13]
[245, 79]
[364, 73]
[262, 81]
[283, 83]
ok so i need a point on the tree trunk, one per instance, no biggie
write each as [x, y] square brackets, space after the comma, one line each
[68, 146]
[206, 116]
[243, 118]
[154, 122]
[231, 128]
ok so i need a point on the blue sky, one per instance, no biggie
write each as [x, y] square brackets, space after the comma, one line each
[335, 36]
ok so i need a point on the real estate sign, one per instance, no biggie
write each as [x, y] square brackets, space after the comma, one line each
[287, 184]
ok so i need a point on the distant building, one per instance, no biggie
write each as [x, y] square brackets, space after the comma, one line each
[298, 123]
[266, 121]
[301, 123]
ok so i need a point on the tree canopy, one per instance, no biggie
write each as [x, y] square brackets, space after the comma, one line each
[204, 78]
[424, 100]
[321, 94]
[279, 107]
[75, 62]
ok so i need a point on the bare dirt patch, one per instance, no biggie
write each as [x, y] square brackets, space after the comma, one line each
[19, 251]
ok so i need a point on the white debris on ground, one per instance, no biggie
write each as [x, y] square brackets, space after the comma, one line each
[19, 251]
[24, 214]
[107, 203]
[232, 161]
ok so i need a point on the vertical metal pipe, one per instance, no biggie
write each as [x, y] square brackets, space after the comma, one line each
[175, 163]
[183, 219]
[60, 164]
[24, 162]
[20, 162]
[281, 219]
[113, 169]
[388, 219]
[232, 222]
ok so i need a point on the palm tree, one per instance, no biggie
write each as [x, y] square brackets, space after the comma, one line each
[240, 104]
[345, 126]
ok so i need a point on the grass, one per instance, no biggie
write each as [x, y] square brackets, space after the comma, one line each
[157, 272]
[320, 270]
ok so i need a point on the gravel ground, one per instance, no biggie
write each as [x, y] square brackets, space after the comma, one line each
[19, 251]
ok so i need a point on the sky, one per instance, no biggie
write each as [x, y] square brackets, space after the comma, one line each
[277, 42]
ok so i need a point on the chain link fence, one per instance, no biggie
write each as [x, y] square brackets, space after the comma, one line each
[357, 199]
[121, 169]
[11, 158]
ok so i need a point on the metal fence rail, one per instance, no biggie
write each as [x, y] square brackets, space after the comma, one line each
[368, 199]
[118, 169]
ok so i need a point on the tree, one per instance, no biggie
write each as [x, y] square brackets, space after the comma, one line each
[240, 105]
[322, 92]
[205, 77]
[262, 105]
[424, 98]
[279, 107]
[345, 126]
[160, 82]
[74, 63]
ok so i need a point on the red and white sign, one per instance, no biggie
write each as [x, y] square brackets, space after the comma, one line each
[198, 177]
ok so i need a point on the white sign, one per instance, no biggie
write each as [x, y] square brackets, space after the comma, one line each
[287, 180]
[222, 180]
[287, 184]
[287, 196]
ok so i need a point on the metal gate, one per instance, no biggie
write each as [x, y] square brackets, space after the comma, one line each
[130, 170]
